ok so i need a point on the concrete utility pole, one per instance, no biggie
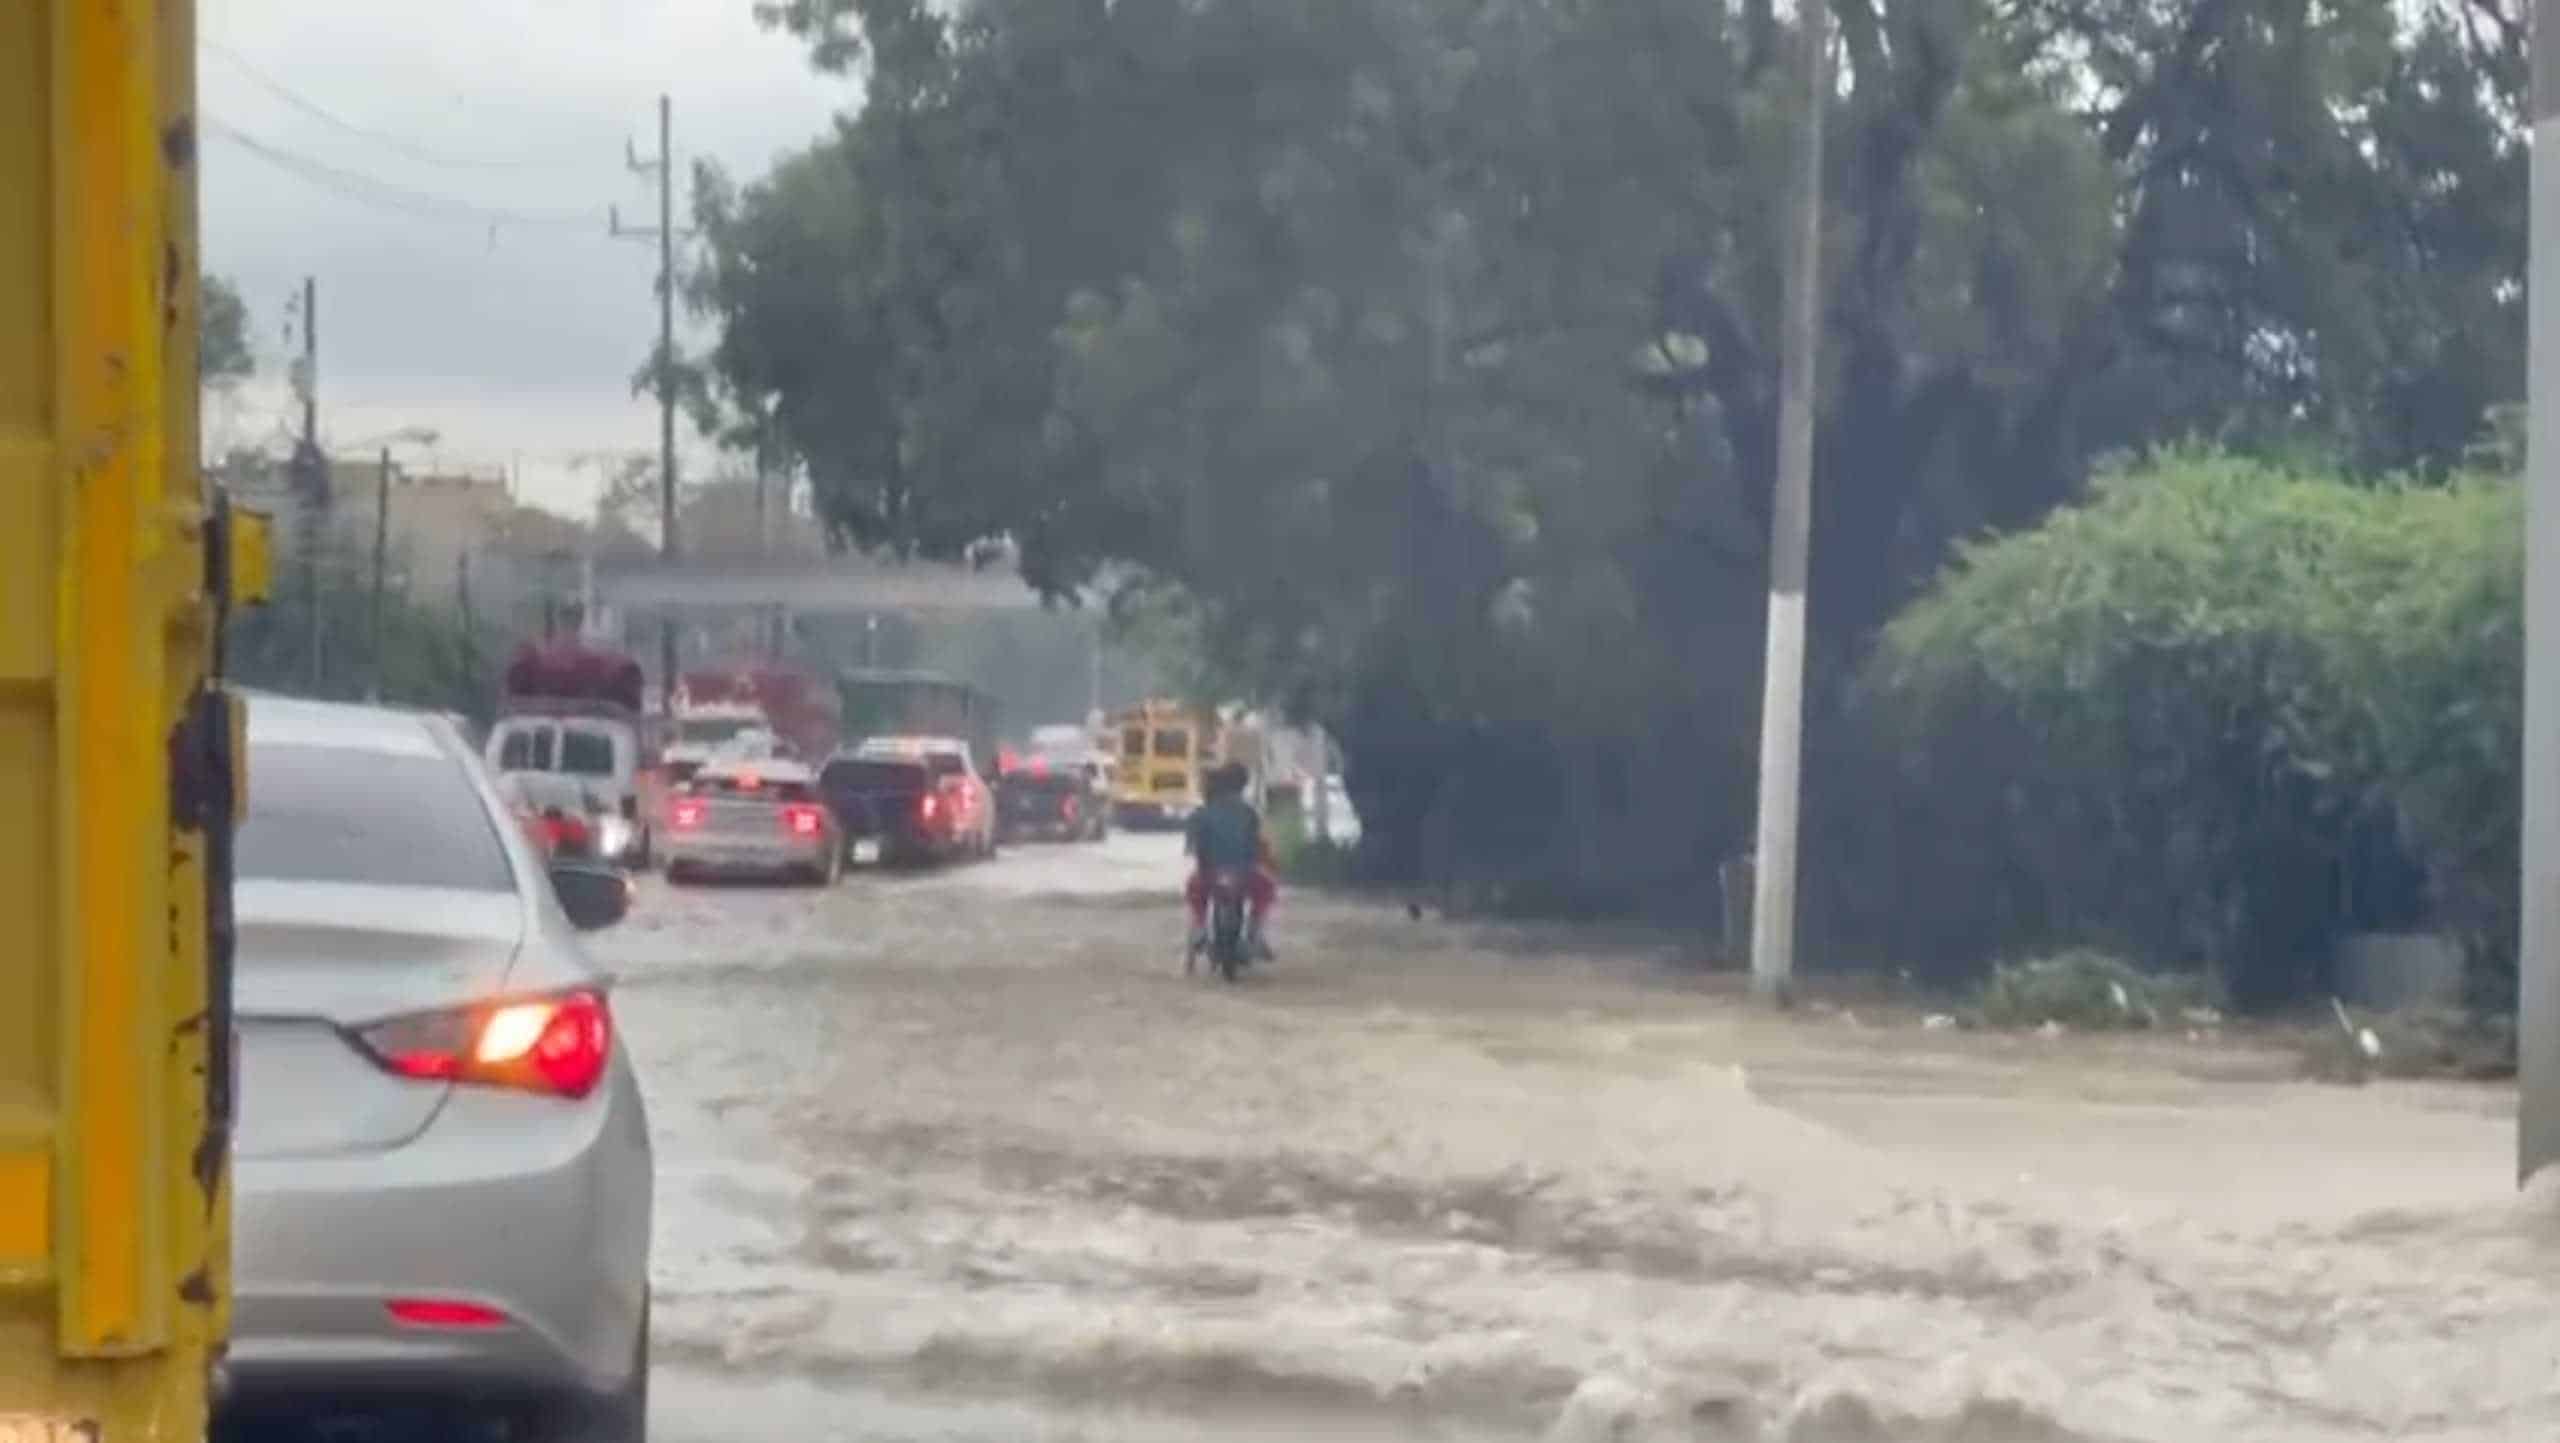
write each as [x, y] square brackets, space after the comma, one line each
[381, 562]
[2538, 962]
[310, 470]
[1773, 906]
[664, 167]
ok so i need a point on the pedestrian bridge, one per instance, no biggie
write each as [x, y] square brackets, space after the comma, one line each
[813, 586]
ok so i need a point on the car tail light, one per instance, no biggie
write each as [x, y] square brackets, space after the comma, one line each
[557, 1045]
[685, 815]
[928, 806]
[1067, 807]
[444, 1313]
[801, 820]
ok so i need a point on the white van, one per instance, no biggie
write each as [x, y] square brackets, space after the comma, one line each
[601, 752]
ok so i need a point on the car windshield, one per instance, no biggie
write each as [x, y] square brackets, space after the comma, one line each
[366, 815]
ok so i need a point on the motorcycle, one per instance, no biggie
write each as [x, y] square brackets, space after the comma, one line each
[1230, 947]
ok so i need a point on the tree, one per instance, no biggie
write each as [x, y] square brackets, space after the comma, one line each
[223, 357]
[1428, 350]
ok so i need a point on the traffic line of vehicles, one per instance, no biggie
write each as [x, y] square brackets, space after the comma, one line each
[749, 776]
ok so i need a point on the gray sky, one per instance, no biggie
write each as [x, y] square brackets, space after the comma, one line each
[513, 337]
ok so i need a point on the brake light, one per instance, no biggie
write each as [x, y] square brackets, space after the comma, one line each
[685, 815]
[443, 1313]
[1067, 807]
[557, 1045]
[802, 821]
[928, 806]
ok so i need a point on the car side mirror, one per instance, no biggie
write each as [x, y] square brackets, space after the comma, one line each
[595, 897]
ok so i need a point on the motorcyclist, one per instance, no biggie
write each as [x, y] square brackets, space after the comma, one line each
[1226, 834]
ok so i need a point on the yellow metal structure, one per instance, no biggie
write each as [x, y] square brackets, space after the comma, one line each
[117, 760]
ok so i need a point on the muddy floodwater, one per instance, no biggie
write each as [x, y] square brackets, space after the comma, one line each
[965, 1157]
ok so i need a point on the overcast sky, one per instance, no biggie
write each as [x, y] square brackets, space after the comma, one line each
[446, 173]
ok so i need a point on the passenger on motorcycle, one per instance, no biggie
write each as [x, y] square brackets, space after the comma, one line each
[1226, 834]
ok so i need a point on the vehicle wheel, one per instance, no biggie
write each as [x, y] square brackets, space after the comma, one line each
[832, 870]
[679, 875]
[619, 1417]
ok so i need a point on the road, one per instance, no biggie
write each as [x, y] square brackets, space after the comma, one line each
[963, 1156]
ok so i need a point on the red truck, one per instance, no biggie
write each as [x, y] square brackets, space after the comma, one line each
[801, 710]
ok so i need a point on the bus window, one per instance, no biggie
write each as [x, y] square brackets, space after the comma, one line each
[1133, 742]
[1173, 742]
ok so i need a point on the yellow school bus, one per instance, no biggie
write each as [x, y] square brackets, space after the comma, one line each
[1161, 749]
[118, 773]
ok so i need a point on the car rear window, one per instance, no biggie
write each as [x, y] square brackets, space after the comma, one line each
[867, 776]
[526, 749]
[765, 789]
[365, 815]
[946, 765]
[586, 753]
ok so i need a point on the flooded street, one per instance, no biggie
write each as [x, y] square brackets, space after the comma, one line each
[964, 1156]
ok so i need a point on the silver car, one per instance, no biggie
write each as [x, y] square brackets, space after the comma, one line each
[442, 1170]
[751, 817]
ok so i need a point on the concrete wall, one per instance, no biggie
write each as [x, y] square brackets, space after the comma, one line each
[2538, 1022]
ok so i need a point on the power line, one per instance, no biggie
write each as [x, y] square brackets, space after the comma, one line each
[385, 139]
[382, 193]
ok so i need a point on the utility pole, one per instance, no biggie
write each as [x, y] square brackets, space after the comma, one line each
[462, 603]
[1093, 671]
[381, 559]
[310, 472]
[664, 167]
[1773, 904]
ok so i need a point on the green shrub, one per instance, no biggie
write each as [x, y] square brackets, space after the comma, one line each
[2160, 717]
[1304, 858]
[2087, 989]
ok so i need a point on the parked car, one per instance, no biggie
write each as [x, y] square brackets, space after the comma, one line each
[909, 800]
[752, 817]
[442, 1166]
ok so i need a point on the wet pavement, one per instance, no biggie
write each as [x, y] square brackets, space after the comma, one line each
[964, 1156]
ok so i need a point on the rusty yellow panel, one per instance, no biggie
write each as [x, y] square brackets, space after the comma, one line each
[113, 1218]
[108, 354]
[26, 1213]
